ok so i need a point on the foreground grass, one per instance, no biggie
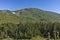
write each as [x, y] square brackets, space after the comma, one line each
[8, 39]
[37, 38]
[34, 38]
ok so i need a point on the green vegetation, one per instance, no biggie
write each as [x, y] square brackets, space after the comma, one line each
[7, 17]
[29, 30]
[48, 36]
[37, 38]
[29, 23]
[37, 15]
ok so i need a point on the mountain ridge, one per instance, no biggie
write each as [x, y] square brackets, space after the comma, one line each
[30, 15]
[38, 12]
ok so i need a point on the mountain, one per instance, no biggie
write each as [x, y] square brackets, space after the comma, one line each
[37, 15]
[6, 16]
[28, 14]
[33, 22]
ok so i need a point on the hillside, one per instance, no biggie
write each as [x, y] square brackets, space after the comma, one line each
[32, 24]
[28, 14]
[37, 15]
[6, 16]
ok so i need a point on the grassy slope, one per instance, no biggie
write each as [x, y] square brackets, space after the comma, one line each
[7, 16]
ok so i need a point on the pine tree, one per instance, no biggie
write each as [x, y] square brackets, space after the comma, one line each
[58, 35]
[48, 36]
[54, 35]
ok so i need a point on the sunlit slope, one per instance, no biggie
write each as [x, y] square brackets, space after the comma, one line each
[6, 16]
[37, 15]
[28, 14]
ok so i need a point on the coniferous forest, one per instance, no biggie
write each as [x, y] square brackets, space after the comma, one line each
[29, 24]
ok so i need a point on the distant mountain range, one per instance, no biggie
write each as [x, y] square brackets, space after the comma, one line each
[28, 15]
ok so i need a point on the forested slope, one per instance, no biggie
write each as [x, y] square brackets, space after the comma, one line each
[35, 14]
[29, 23]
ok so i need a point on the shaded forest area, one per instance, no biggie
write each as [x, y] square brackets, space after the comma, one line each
[29, 30]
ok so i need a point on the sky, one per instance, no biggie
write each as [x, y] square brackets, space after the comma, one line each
[50, 5]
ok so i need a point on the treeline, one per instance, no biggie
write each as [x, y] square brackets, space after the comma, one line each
[28, 30]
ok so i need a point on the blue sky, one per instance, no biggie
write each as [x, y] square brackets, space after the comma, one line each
[50, 5]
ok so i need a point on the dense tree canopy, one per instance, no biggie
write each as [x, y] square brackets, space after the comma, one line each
[29, 30]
